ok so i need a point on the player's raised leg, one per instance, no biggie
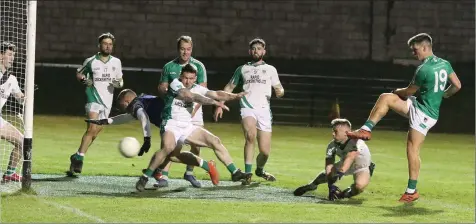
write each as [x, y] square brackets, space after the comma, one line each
[385, 102]
[9, 133]
[248, 125]
[264, 145]
[361, 181]
[414, 141]
[204, 138]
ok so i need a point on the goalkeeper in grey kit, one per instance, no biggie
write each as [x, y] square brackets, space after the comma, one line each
[355, 159]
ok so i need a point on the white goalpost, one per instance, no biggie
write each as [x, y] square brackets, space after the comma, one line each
[17, 71]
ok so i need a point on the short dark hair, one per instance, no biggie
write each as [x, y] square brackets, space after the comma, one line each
[419, 38]
[259, 41]
[104, 36]
[4, 46]
[124, 93]
[340, 121]
[189, 68]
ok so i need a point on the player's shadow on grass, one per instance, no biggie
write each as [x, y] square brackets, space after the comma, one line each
[53, 179]
[231, 187]
[407, 210]
[148, 193]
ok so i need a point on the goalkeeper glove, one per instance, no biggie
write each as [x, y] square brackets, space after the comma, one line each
[117, 83]
[145, 147]
[334, 193]
[98, 122]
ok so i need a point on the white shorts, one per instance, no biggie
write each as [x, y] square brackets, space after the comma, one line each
[361, 164]
[98, 108]
[417, 119]
[263, 117]
[181, 130]
[198, 118]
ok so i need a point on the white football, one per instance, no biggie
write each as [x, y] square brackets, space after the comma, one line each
[129, 147]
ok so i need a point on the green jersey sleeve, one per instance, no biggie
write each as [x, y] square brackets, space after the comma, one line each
[201, 74]
[165, 75]
[237, 76]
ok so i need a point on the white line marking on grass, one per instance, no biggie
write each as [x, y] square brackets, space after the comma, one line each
[71, 209]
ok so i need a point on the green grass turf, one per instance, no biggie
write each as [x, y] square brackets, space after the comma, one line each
[446, 181]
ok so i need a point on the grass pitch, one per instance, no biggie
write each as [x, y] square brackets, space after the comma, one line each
[105, 191]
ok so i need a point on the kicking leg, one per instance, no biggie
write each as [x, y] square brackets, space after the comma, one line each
[385, 102]
[168, 145]
[414, 141]
[9, 133]
[202, 137]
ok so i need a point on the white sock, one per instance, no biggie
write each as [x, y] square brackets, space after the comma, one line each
[410, 191]
[80, 153]
[365, 128]
[201, 162]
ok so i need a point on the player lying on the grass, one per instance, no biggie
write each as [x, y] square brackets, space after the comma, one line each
[177, 129]
[429, 83]
[354, 157]
[101, 74]
[8, 132]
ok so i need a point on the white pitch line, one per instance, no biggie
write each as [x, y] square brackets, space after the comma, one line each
[71, 209]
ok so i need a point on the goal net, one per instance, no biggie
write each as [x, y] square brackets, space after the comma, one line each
[17, 36]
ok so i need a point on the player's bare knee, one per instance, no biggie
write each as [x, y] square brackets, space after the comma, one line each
[250, 136]
[215, 142]
[360, 186]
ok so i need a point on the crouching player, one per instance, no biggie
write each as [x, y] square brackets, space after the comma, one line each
[354, 159]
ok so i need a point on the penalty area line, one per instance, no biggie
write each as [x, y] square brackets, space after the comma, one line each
[70, 209]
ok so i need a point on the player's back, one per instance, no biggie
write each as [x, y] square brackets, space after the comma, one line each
[432, 78]
[153, 106]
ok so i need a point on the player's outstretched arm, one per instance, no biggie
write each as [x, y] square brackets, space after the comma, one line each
[116, 120]
[223, 95]
[145, 123]
[454, 87]
[187, 96]
[218, 111]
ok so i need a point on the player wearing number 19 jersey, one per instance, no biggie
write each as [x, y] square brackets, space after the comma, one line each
[429, 82]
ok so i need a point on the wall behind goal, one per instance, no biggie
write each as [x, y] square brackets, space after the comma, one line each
[359, 29]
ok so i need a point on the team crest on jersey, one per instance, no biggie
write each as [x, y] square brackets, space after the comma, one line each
[97, 68]
[255, 71]
[113, 68]
[425, 120]
[264, 71]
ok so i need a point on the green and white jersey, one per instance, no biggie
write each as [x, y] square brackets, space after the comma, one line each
[173, 69]
[341, 150]
[102, 74]
[431, 76]
[178, 109]
[257, 81]
[10, 86]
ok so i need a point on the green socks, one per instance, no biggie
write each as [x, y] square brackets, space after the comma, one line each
[10, 170]
[368, 125]
[411, 187]
[248, 168]
[79, 157]
[204, 165]
[232, 168]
